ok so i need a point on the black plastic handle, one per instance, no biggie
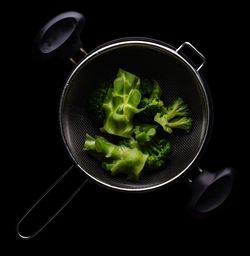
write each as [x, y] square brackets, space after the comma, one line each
[210, 190]
[60, 37]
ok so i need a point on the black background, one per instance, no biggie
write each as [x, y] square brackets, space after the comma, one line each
[99, 215]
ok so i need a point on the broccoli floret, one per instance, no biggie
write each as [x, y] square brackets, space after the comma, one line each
[157, 152]
[129, 142]
[146, 140]
[89, 144]
[120, 104]
[151, 105]
[175, 116]
[95, 102]
[156, 149]
[120, 159]
[144, 132]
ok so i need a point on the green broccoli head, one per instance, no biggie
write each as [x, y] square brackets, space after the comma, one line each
[96, 101]
[151, 105]
[157, 152]
[131, 163]
[146, 140]
[144, 132]
[175, 116]
[121, 104]
[119, 158]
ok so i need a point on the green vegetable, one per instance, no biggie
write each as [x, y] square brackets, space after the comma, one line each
[120, 104]
[120, 159]
[95, 102]
[132, 109]
[175, 116]
[89, 144]
[147, 142]
[150, 105]
[144, 132]
[157, 152]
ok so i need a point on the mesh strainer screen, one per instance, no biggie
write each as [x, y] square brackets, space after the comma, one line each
[176, 80]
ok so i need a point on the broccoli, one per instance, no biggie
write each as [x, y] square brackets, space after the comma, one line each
[151, 105]
[149, 144]
[96, 100]
[157, 152]
[89, 144]
[144, 132]
[120, 104]
[132, 109]
[120, 159]
[175, 116]
[156, 149]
